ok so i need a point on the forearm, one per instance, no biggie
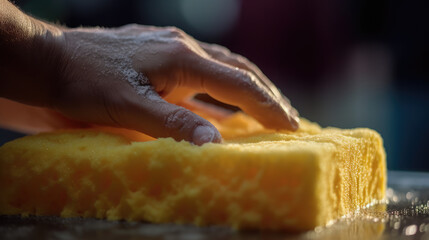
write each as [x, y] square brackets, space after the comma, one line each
[30, 56]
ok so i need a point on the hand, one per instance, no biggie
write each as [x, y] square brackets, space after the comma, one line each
[132, 76]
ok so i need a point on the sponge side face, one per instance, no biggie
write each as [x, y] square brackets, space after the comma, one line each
[259, 180]
[356, 175]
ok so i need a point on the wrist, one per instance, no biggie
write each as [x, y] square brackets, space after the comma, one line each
[48, 47]
[31, 61]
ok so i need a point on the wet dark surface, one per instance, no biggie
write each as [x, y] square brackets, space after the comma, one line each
[404, 216]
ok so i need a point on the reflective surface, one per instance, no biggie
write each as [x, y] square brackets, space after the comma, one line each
[405, 215]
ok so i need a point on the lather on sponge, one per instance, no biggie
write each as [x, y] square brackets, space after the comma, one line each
[257, 178]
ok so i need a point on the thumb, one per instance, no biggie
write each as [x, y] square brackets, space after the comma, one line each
[158, 118]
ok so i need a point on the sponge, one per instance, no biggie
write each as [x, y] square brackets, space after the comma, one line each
[256, 179]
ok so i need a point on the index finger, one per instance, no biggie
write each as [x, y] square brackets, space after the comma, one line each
[242, 88]
[223, 54]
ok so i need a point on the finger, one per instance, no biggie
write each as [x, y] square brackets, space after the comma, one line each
[243, 89]
[222, 54]
[206, 109]
[150, 114]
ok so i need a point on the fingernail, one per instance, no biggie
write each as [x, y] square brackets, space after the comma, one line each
[203, 134]
[294, 120]
[285, 100]
[294, 112]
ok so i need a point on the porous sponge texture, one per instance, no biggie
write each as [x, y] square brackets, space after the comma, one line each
[257, 178]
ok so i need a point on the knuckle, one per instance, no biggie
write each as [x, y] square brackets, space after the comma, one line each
[250, 84]
[246, 77]
[245, 62]
[246, 83]
[132, 26]
[221, 49]
[180, 47]
[180, 120]
[175, 32]
[242, 59]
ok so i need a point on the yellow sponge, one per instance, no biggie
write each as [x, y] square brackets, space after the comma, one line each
[257, 178]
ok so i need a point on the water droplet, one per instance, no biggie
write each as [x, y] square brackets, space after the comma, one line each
[422, 227]
[396, 225]
[410, 230]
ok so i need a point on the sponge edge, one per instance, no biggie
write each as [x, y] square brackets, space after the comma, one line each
[256, 179]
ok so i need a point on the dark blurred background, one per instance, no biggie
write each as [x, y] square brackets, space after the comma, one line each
[347, 64]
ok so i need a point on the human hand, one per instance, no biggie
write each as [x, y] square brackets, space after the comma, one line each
[129, 77]
[132, 77]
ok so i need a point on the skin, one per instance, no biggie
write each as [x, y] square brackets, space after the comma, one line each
[133, 77]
